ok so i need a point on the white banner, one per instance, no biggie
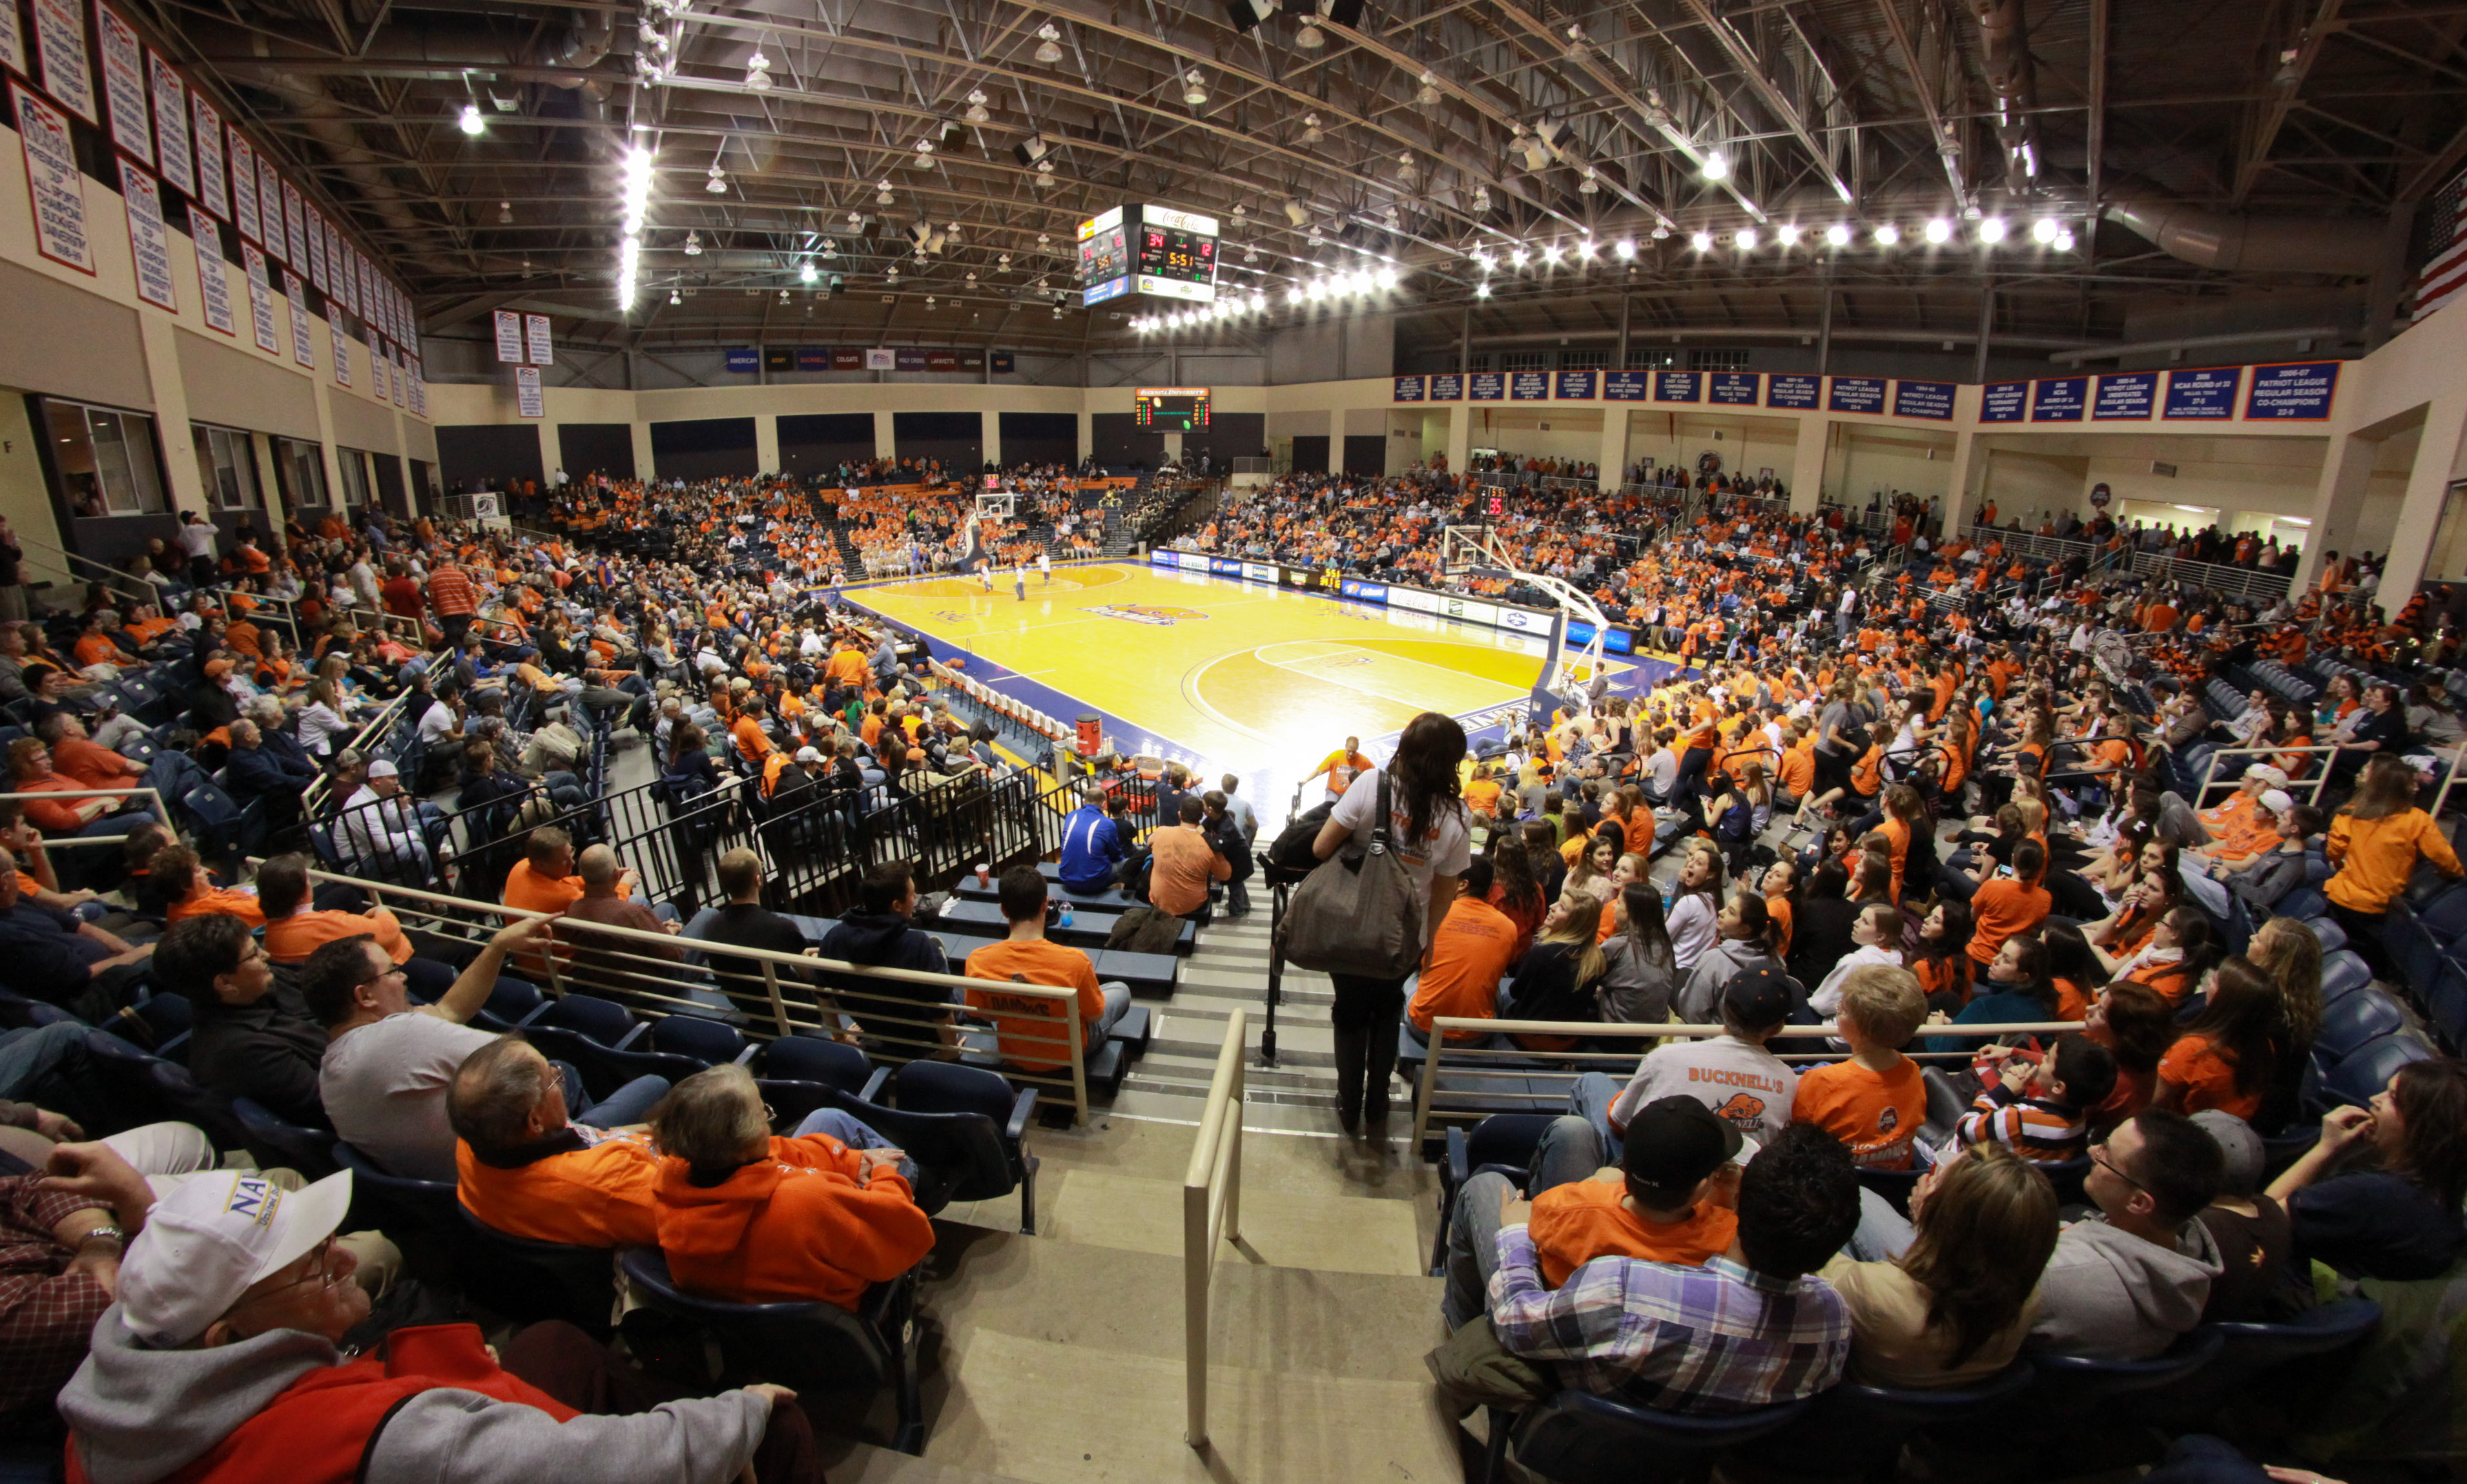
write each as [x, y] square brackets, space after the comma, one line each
[59, 35]
[124, 84]
[53, 181]
[304, 345]
[419, 389]
[13, 41]
[269, 205]
[510, 337]
[1413, 598]
[542, 352]
[295, 224]
[315, 221]
[244, 188]
[260, 297]
[149, 241]
[881, 360]
[214, 277]
[334, 261]
[172, 126]
[342, 346]
[402, 380]
[377, 369]
[356, 284]
[527, 391]
[210, 156]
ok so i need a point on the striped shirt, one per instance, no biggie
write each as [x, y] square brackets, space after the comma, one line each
[451, 593]
[2039, 1130]
[1710, 1339]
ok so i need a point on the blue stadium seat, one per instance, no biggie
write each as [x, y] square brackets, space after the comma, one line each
[600, 1038]
[2246, 1351]
[281, 1145]
[1504, 1143]
[1855, 1431]
[949, 1089]
[2445, 916]
[509, 1003]
[707, 1041]
[2351, 1020]
[1580, 1438]
[555, 1281]
[2343, 972]
[2353, 1082]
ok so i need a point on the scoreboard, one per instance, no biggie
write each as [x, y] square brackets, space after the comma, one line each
[1147, 249]
[1171, 409]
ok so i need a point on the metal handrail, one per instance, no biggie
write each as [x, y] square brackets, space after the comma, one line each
[1468, 1059]
[441, 907]
[112, 576]
[2211, 775]
[1211, 1213]
[312, 799]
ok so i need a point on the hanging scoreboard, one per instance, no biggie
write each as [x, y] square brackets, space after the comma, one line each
[1148, 249]
[1171, 409]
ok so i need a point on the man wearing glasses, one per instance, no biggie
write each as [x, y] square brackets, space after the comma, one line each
[2124, 1284]
[250, 1037]
[222, 1359]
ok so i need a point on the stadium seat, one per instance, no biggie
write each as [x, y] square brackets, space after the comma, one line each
[2343, 972]
[1504, 1143]
[2302, 901]
[948, 1089]
[508, 1004]
[707, 1041]
[2327, 932]
[599, 1037]
[2351, 1020]
[576, 1284]
[1855, 1431]
[2445, 916]
[2353, 1082]
[1580, 1438]
[2245, 1352]
[813, 1348]
[278, 1144]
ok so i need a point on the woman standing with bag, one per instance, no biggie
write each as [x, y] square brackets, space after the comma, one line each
[1430, 829]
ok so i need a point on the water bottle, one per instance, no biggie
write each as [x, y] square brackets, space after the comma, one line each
[1066, 915]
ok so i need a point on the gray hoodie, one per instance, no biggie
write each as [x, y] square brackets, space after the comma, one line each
[140, 1414]
[2110, 1296]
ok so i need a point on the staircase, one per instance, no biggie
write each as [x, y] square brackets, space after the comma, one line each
[1230, 972]
[852, 560]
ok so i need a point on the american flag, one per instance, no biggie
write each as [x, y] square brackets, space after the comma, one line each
[2445, 262]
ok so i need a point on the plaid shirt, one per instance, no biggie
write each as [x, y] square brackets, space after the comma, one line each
[46, 1314]
[1708, 1339]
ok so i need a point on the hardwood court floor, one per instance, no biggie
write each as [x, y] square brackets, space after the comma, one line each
[1240, 676]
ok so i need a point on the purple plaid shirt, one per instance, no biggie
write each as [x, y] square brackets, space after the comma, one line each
[1715, 1339]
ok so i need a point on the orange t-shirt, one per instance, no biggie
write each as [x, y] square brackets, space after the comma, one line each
[1468, 954]
[1028, 1028]
[596, 1197]
[293, 938]
[1778, 909]
[2208, 1078]
[1575, 1223]
[241, 905]
[1876, 1114]
[2002, 906]
[1482, 795]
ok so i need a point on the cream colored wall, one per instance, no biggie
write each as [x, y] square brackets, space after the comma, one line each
[1872, 459]
[1538, 430]
[1746, 442]
[24, 497]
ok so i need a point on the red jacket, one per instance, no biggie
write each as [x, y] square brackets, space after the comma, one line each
[801, 1225]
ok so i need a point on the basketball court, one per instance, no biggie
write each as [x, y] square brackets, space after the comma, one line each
[1222, 674]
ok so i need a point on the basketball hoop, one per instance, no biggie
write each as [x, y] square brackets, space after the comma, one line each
[1473, 550]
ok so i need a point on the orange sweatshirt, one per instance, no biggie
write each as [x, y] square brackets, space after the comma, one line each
[2375, 857]
[801, 1225]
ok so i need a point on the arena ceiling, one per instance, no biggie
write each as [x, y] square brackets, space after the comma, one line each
[2193, 152]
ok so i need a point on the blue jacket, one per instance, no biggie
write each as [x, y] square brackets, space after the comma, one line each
[1091, 846]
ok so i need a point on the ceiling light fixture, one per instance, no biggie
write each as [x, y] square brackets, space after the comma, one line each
[758, 73]
[1311, 134]
[1551, 252]
[1405, 167]
[2044, 230]
[1992, 230]
[807, 272]
[978, 112]
[1702, 241]
[1517, 256]
[1049, 44]
[1746, 239]
[1429, 91]
[2064, 239]
[1309, 38]
[882, 194]
[673, 299]
[473, 123]
[1715, 166]
[1888, 234]
[1481, 200]
[505, 213]
[1787, 234]
[1194, 90]
[1938, 230]
[1625, 249]
[1838, 234]
[1588, 185]
[1481, 290]
[716, 180]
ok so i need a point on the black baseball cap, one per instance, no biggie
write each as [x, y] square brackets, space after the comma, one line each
[1756, 997]
[1673, 1143]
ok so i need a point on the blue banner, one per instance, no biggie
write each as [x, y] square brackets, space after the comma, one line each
[1625, 386]
[2129, 397]
[1447, 386]
[1857, 394]
[2297, 391]
[1367, 592]
[1223, 567]
[1678, 386]
[1409, 389]
[1733, 388]
[1923, 399]
[1489, 386]
[744, 359]
[1802, 392]
[1618, 641]
[2059, 399]
[1528, 386]
[2203, 395]
[1576, 386]
[2003, 401]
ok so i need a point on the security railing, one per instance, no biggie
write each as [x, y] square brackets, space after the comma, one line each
[1032, 1033]
[2258, 584]
[2269, 753]
[1211, 1214]
[127, 587]
[373, 732]
[1468, 1083]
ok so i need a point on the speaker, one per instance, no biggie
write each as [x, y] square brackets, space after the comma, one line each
[1345, 12]
[1247, 14]
[1027, 151]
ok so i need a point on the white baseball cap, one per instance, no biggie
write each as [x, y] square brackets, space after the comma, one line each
[2277, 801]
[809, 754]
[383, 769]
[212, 1239]
[2264, 773]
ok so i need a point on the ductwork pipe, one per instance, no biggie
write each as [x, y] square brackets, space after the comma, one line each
[2346, 246]
[2004, 55]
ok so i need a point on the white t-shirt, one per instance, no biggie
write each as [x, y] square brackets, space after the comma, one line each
[1737, 1079]
[1445, 851]
[384, 1088]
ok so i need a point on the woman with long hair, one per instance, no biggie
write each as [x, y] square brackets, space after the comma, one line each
[2136, 1026]
[2287, 951]
[1745, 940]
[1560, 976]
[1740, 815]
[1639, 968]
[1590, 873]
[2396, 1215]
[1432, 833]
[1942, 960]
[2015, 988]
[2225, 1058]
[2072, 968]
[2182, 949]
[1513, 890]
[1906, 817]
[1695, 904]
[2375, 842]
[1954, 1307]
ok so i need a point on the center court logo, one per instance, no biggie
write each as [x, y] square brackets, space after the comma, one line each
[1142, 613]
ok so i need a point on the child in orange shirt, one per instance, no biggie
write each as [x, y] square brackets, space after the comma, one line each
[1875, 1102]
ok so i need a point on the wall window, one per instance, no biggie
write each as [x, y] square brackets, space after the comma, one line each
[1718, 360]
[1640, 359]
[1524, 360]
[227, 467]
[355, 465]
[1583, 360]
[300, 469]
[106, 460]
[1478, 361]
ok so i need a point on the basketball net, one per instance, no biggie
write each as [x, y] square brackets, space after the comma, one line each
[1474, 549]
